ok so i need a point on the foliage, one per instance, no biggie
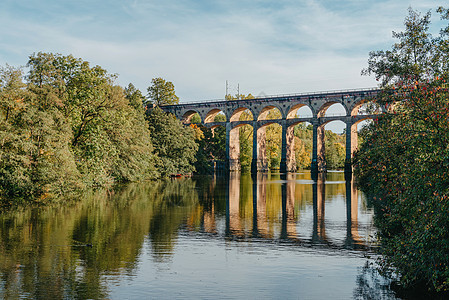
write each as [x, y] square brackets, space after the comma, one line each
[68, 127]
[162, 92]
[174, 144]
[335, 151]
[404, 160]
[334, 147]
[246, 142]
[239, 97]
[35, 155]
[211, 147]
[303, 145]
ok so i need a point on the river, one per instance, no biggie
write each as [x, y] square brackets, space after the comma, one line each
[207, 237]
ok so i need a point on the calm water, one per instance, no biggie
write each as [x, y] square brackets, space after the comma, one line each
[265, 237]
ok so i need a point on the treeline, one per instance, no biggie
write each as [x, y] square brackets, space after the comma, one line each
[404, 160]
[66, 126]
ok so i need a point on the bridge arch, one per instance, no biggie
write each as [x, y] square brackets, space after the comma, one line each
[265, 112]
[365, 107]
[238, 112]
[212, 114]
[240, 154]
[187, 115]
[294, 109]
[332, 103]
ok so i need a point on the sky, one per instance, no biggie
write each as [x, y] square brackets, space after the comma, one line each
[263, 47]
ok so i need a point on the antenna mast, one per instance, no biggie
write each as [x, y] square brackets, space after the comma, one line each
[226, 95]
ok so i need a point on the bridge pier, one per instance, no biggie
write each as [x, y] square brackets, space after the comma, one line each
[259, 161]
[351, 144]
[318, 148]
[232, 148]
[283, 167]
[288, 162]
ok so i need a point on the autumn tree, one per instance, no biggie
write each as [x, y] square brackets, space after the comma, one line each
[403, 162]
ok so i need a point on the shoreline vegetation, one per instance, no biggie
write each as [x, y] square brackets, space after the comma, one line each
[66, 127]
[403, 162]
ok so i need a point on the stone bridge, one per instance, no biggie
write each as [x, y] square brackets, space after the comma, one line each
[288, 105]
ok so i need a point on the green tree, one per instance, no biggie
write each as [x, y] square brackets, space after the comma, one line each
[162, 92]
[69, 127]
[109, 138]
[303, 145]
[35, 157]
[135, 98]
[174, 144]
[211, 147]
[239, 97]
[403, 161]
[334, 150]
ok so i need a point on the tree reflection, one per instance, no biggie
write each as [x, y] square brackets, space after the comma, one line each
[64, 251]
[68, 251]
[370, 285]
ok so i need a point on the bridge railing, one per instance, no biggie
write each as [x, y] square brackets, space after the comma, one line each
[319, 93]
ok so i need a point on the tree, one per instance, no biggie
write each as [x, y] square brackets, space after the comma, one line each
[410, 59]
[403, 161]
[135, 98]
[69, 127]
[211, 147]
[174, 144]
[35, 157]
[109, 135]
[229, 97]
[162, 92]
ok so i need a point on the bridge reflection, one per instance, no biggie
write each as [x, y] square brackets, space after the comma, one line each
[291, 208]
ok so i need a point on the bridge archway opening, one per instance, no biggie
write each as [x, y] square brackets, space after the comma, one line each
[300, 111]
[332, 145]
[270, 143]
[241, 147]
[270, 113]
[215, 115]
[363, 123]
[191, 116]
[332, 109]
[366, 108]
[195, 119]
[355, 129]
[301, 149]
[241, 114]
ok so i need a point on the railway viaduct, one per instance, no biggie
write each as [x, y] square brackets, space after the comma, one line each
[288, 105]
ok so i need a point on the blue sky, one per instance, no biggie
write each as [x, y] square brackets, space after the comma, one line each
[267, 47]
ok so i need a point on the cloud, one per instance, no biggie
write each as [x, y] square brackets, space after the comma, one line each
[266, 46]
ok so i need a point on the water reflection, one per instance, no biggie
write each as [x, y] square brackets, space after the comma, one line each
[319, 228]
[64, 251]
[279, 200]
[140, 231]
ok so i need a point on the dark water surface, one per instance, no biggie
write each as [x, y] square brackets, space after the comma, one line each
[267, 236]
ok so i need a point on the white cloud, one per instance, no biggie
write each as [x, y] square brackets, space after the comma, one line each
[266, 46]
